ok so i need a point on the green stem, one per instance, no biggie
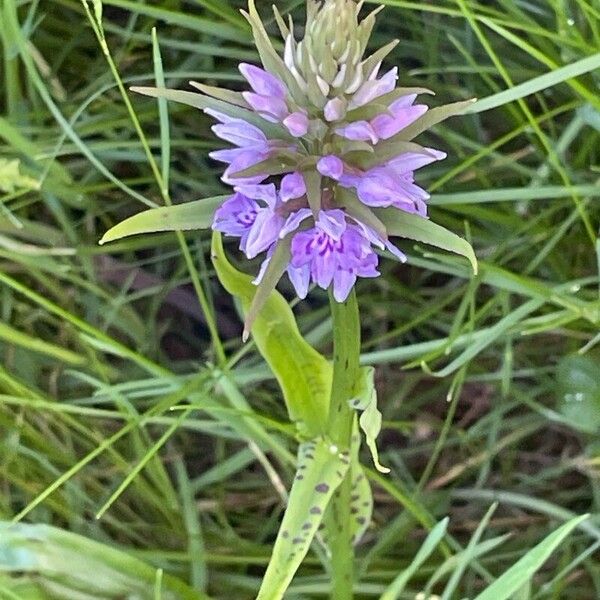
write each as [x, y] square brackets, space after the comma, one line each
[346, 353]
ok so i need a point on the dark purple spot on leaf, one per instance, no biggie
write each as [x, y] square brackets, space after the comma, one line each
[322, 488]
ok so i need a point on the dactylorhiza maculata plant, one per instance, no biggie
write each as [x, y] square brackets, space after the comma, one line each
[321, 169]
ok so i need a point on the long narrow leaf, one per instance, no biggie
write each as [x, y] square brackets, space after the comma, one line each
[81, 568]
[418, 228]
[180, 217]
[523, 570]
[203, 102]
[321, 469]
[537, 84]
[429, 545]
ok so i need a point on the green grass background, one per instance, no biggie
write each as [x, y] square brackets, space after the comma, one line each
[115, 423]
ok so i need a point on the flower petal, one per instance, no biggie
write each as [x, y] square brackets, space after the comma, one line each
[297, 124]
[370, 90]
[343, 282]
[300, 278]
[332, 222]
[323, 269]
[335, 109]
[267, 193]
[236, 215]
[411, 161]
[402, 102]
[361, 131]
[302, 248]
[244, 159]
[269, 105]
[395, 251]
[331, 166]
[263, 233]
[240, 133]
[226, 156]
[292, 186]
[293, 221]
[263, 82]
[378, 187]
[385, 126]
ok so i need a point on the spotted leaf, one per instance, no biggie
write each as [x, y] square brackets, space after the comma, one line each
[321, 469]
[361, 502]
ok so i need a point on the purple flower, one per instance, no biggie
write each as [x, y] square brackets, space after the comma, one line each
[393, 184]
[269, 100]
[270, 108]
[236, 216]
[256, 214]
[373, 89]
[263, 82]
[297, 123]
[333, 252]
[401, 113]
[335, 109]
[331, 166]
[292, 187]
[257, 225]
[253, 148]
[268, 222]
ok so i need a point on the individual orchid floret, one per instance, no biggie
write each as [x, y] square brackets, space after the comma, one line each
[269, 99]
[268, 222]
[335, 109]
[297, 123]
[332, 253]
[400, 114]
[292, 186]
[253, 147]
[263, 82]
[236, 217]
[257, 214]
[392, 184]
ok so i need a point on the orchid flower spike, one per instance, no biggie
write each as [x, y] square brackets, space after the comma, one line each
[321, 151]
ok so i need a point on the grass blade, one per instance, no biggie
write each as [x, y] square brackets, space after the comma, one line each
[523, 570]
